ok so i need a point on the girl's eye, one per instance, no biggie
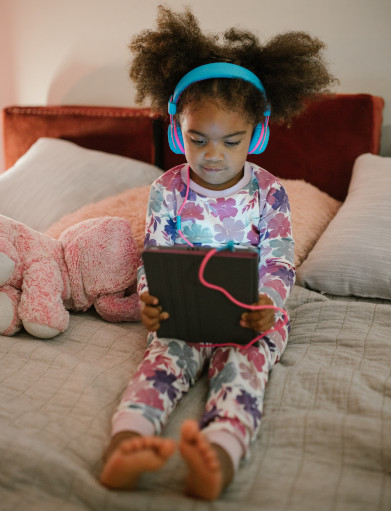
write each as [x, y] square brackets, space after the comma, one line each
[197, 141]
[201, 142]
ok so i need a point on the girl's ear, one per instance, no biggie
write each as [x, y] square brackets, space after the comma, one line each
[260, 137]
[175, 137]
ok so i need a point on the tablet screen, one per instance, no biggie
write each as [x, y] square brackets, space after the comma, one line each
[197, 313]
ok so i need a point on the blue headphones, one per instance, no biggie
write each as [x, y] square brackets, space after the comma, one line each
[261, 133]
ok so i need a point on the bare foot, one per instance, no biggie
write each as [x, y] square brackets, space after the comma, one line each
[210, 467]
[130, 457]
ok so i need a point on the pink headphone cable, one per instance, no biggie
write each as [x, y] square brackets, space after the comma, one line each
[222, 290]
[237, 302]
[178, 218]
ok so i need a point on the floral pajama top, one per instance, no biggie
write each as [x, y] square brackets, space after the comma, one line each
[254, 212]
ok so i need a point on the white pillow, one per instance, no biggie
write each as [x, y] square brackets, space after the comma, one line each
[353, 256]
[56, 177]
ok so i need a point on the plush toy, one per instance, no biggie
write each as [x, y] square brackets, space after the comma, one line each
[92, 263]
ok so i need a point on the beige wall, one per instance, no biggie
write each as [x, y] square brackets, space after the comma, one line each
[75, 51]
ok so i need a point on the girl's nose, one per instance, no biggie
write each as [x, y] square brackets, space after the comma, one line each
[213, 152]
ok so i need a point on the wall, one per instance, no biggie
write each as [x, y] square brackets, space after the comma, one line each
[75, 51]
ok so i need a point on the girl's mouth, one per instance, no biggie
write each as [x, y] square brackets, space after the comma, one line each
[212, 169]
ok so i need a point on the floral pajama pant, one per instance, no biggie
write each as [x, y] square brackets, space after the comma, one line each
[237, 381]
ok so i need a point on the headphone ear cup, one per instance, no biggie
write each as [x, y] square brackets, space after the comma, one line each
[175, 138]
[259, 139]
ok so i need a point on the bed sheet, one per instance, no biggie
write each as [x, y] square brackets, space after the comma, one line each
[324, 444]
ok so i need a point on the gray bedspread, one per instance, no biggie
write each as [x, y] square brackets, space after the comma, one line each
[325, 441]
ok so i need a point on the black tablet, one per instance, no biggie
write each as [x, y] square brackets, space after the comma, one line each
[197, 313]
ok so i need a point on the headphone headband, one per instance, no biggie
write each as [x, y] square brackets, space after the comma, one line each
[260, 135]
[215, 70]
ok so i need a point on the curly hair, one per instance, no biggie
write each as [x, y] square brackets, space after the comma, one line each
[291, 67]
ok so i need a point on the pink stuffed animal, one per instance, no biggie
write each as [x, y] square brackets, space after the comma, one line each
[92, 263]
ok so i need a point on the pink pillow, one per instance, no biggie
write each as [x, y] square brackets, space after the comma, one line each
[130, 204]
[312, 211]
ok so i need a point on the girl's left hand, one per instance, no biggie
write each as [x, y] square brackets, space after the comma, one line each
[259, 320]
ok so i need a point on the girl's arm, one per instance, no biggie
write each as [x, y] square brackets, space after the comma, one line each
[160, 230]
[160, 226]
[276, 264]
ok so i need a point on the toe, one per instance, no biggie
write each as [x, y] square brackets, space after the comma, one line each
[190, 430]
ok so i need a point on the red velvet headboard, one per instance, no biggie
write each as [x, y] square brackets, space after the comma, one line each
[323, 142]
[320, 147]
[125, 131]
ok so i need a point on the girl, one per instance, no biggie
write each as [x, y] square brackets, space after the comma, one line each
[221, 198]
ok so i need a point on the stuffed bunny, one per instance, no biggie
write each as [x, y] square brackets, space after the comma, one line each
[92, 263]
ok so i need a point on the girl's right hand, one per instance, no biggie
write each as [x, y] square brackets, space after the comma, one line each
[151, 312]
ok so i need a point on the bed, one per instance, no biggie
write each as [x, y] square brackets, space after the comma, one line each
[325, 440]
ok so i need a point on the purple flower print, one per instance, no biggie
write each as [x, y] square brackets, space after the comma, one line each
[170, 229]
[223, 208]
[280, 200]
[270, 344]
[286, 275]
[163, 382]
[250, 405]
[192, 195]
[150, 229]
[148, 242]
[263, 233]
[209, 416]
[253, 236]
[231, 230]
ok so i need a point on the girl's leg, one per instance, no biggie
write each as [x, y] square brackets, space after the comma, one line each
[169, 368]
[209, 465]
[232, 417]
[167, 371]
[238, 379]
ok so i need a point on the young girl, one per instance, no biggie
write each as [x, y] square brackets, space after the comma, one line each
[221, 198]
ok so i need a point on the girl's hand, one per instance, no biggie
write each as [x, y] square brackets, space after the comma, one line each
[259, 320]
[151, 312]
